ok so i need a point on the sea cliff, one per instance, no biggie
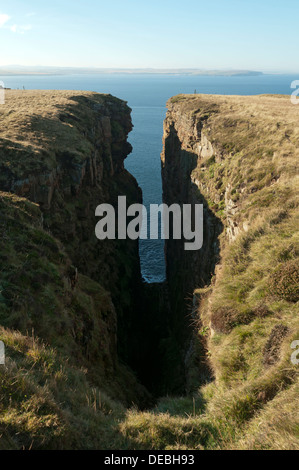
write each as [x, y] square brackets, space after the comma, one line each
[61, 155]
[234, 303]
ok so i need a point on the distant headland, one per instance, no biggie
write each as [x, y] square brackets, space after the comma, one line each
[44, 70]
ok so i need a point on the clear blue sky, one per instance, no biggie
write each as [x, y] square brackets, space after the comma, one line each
[211, 34]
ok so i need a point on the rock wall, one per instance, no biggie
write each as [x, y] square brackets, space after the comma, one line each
[65, 151]
[236, 156]
[184, 147]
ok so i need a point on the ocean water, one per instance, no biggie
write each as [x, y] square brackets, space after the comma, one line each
[147, 96]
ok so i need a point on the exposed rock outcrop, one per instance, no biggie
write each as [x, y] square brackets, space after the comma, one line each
[236, 156]
[65, 151]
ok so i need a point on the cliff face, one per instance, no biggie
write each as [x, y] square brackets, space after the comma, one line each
[184, 146]
[64, 151]
[237, 156]
[60, 142]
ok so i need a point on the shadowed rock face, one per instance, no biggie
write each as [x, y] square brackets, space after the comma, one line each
[184, 145]
[236, 155]
[65, 151]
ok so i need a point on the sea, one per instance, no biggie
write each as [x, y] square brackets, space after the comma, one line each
[147, 95]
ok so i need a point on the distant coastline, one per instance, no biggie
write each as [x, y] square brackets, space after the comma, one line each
[22, 70]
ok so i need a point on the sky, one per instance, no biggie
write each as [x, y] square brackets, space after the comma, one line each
[211, 34]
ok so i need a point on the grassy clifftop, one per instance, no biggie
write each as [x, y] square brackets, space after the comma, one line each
[39, 128]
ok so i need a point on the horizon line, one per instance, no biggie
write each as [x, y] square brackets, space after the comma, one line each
[17, 69]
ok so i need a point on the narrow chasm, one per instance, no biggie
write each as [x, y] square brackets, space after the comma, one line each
[167, 354]
[165, 350]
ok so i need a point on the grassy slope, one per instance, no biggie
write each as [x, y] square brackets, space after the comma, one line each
[249, 315]
[54, 390]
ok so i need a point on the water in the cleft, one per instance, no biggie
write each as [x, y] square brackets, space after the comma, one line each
[144, 164]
